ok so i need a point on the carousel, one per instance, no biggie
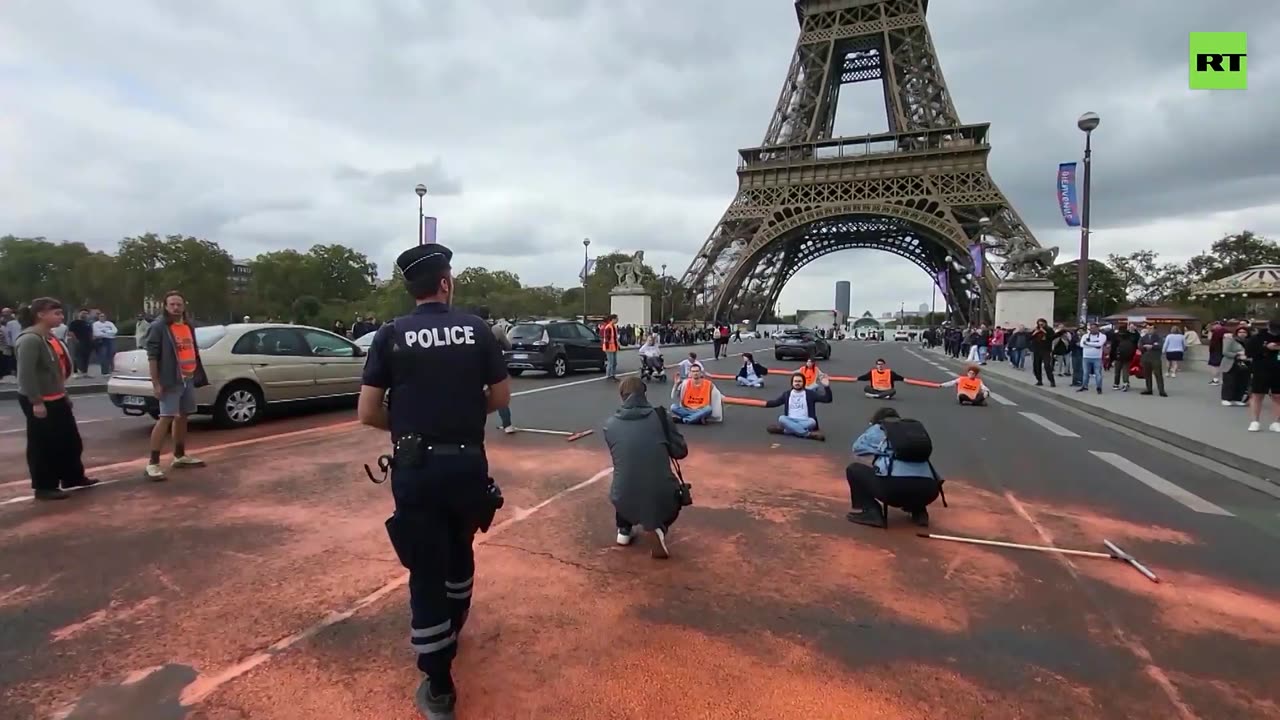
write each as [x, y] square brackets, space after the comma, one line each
[1258, 287]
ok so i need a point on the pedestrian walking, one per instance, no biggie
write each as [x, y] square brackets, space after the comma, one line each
[173, 356]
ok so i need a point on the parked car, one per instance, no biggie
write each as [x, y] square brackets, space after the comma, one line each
[250, 366]
[801, 344]
[902, 336]
[555, 347]
[365, 340]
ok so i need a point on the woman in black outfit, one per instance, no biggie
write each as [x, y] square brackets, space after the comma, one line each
[1041, 352]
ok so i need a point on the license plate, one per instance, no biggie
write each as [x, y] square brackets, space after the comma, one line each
[134, 401]
[520, 356]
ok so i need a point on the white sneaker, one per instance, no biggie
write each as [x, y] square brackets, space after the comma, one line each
[1226, 403]
[625, 538]
[187, 461]
[1274, 427]
[154, 472]
[659, 550]
[1238, 403]
[1255, 426]
[510, 429]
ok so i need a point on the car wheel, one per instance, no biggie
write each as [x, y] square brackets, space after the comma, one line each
[777, 356]
[239, 405]
[515, 373]
[560, 367]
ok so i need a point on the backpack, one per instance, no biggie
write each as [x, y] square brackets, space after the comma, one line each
[909, 440]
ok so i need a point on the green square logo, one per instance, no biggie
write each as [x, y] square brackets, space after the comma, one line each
[1218, 61]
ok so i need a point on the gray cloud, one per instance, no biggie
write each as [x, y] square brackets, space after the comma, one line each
[286, 125]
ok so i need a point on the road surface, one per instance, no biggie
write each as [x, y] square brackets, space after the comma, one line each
[263, 587]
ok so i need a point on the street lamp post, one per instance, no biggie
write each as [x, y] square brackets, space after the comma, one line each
[1088, 122]
[421, 190]
[586, 243]
[662, 300]
[984, 222]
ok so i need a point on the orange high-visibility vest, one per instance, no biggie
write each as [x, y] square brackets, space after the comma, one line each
[64, 365]
[810, 375]
[609, 337]
[969, 387]
[882, 379]
[696, 397]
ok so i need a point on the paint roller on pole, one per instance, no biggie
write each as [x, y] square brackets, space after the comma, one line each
[1114, 552]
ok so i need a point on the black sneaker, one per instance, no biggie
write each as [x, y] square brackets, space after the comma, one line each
[1147, 392]
[1082, 388]
[81, 483]
[52, 494]
[434, 707]
[920, 518]
[868, 517]
[658, 545]
[1116, 386]
[1099, 391]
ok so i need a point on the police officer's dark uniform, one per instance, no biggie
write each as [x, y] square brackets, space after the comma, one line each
[436, 363]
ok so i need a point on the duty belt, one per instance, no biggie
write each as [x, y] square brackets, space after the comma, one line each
[413, 450]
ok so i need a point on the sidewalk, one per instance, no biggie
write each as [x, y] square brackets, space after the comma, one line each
[1191, 418]
[95, 383]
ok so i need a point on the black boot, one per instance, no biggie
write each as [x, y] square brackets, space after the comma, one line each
[921, 518]
[870, 515]
[54, 494]
[435, 703]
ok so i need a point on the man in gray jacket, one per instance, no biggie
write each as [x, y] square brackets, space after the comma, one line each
[176, 372]
[642, 442]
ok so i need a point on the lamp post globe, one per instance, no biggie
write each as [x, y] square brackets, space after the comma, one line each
[1088, 122]
[420, 189]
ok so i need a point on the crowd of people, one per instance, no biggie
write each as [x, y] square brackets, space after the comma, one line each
[1242, 357]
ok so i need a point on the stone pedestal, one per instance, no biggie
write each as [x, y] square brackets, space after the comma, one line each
[1023, 301]
[632, 308]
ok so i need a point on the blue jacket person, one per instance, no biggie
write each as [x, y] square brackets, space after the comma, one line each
[441, 373]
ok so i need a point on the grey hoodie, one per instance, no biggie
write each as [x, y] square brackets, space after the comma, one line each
[160, 346]
[642, 447]
[39, 375]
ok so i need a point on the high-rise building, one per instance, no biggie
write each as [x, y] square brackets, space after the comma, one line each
[842, 302]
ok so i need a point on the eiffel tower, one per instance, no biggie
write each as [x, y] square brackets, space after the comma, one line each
[920, 191]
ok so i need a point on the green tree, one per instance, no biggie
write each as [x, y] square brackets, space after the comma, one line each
[1145, 279]
[200, 269]
[341, 273]
[1106, 289]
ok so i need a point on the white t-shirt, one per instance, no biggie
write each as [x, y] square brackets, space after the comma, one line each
[751, 373]
[798, 405]
[1091, 345]
[104, 329]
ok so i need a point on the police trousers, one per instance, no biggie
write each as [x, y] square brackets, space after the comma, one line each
[440, 504]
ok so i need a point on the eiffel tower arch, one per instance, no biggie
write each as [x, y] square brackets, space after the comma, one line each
[920, 191]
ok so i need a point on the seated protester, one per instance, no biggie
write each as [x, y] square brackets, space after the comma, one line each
[801, 419]
[688, 363]
[697, 401]
[881, 381]
[650, 357]
[752, 373]
[811, 374]
[970, 390]
[643, 442]
[899, 473]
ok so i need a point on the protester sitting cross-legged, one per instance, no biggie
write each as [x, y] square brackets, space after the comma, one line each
[801, 418]
[970, 390]
[881, 381]
[891, 466]
[645, 491]
[697, 400]
[752, 373]
[811, 373]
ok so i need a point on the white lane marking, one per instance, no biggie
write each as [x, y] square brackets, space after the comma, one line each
[1160, 485]
[1048, 424]
[124, 465]
[205, 685]
[1000, 398]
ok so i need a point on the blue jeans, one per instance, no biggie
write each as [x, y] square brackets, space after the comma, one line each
[504, 414]
[982, 354]
[1092, 366]
[799, 428]
[743, 382]
[1015, 357]
[106, 351]
[610, 364]
[690, 417]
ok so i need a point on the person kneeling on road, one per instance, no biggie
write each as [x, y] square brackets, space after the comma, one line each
[891, 466]
[645, 491]
[801, 418]
[970, 390]
[881, 381]
[752, 373]
[697, 401]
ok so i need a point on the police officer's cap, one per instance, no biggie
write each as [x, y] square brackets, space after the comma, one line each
[421, 261]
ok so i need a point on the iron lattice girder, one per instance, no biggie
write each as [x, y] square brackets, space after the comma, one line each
[926, 179]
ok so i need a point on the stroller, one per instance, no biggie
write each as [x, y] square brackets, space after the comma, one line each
[652, 368]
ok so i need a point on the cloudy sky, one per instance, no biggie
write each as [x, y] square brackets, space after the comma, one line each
[536, 123]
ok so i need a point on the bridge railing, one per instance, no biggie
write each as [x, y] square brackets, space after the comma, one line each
[865, 146]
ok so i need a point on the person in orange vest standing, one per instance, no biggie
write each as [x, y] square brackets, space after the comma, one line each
[54, 448]
[881, 381]
[970, 390]
[609, 343]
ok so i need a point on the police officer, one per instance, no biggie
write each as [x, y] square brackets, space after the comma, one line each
[445, 374]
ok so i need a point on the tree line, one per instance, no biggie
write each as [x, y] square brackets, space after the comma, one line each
[324, 284]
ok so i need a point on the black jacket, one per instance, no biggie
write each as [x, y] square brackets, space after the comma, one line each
[760, 370]
[811, 397]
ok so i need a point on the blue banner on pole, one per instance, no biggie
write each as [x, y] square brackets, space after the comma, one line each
[978, 258]
[1067, 194]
